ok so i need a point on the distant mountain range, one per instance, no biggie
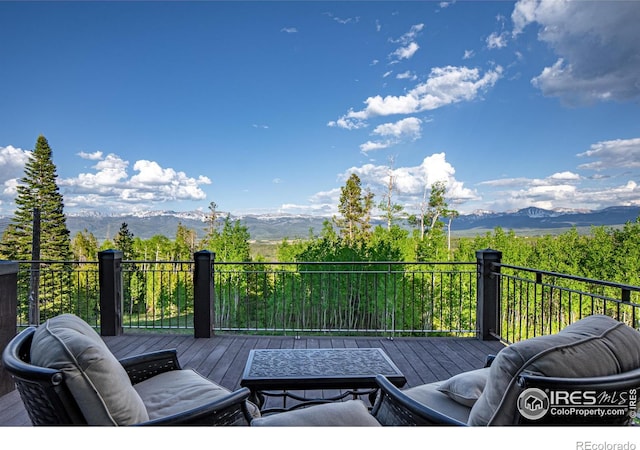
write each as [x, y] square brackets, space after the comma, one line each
[270, 227]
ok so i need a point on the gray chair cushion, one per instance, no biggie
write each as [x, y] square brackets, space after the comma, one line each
[430, 395]
[352, 413]
[176, 391]
[96, 379]
[466, 387]
[594, 346]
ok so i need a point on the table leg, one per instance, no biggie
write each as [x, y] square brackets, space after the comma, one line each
[257, 398]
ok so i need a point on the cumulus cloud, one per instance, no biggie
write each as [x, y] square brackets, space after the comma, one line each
[395, 132]
[110, 185]
[596, 44]
[445, 86]
[570, 196]
[618, 153]
[571, 190]
[91, 156]
[289, 30]
[410, 182]
[405, 127]
[12, 161]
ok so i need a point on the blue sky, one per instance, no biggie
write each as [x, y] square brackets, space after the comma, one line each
[268, 107]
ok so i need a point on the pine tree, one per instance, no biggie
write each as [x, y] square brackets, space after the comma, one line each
[38, 195]
[38, 190]
[124, 242]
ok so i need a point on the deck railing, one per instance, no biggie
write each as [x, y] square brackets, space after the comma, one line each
[484, 298]
[535, 302]
[385, 298]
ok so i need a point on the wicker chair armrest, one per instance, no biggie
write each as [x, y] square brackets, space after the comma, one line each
[394, 408]
[229, 410]
[147, 365]
[12, 359]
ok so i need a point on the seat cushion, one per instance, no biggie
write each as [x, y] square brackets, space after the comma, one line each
[352, 413]
[466, 387]
[177, 391]
[594, 346]
[95, 378]
[431, 395]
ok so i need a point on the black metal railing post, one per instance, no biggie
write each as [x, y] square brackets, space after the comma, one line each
[203, 294]
[110, 280]
[487, 309]
[8, 316]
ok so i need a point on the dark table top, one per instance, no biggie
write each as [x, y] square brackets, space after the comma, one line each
[318, 368]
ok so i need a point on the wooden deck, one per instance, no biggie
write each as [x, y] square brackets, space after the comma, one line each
[222, 358]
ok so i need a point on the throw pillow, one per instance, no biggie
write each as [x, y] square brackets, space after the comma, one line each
[465, 388]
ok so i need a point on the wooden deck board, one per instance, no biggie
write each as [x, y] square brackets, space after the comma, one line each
[222, 358]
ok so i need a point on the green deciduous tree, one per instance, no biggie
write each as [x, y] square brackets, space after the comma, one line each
[84, 246]
[355, 207]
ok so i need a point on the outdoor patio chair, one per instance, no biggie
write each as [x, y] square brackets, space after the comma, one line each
[586, 374]
[66, 375]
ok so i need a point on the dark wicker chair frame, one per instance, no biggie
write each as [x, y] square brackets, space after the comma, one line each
[48, 400]
[394, 408]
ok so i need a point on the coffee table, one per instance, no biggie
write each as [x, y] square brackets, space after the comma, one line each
[277, 372]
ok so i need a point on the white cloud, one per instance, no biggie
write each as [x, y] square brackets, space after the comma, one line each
[596, 43]
[618, 153]
[289, 30]
[497, 40]
[445, 85]
[468, 54]
[409, 127]
[405, 52]
[408, 75]
[97, 155]
[372, 146]
[110, 185]
[408, 46]
[405, 129]
[10, 188]
[12, 161]
[410, 182]
[410, 35]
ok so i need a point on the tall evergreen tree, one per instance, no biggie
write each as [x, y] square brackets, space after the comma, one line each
[124, 241]
[38, 190]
